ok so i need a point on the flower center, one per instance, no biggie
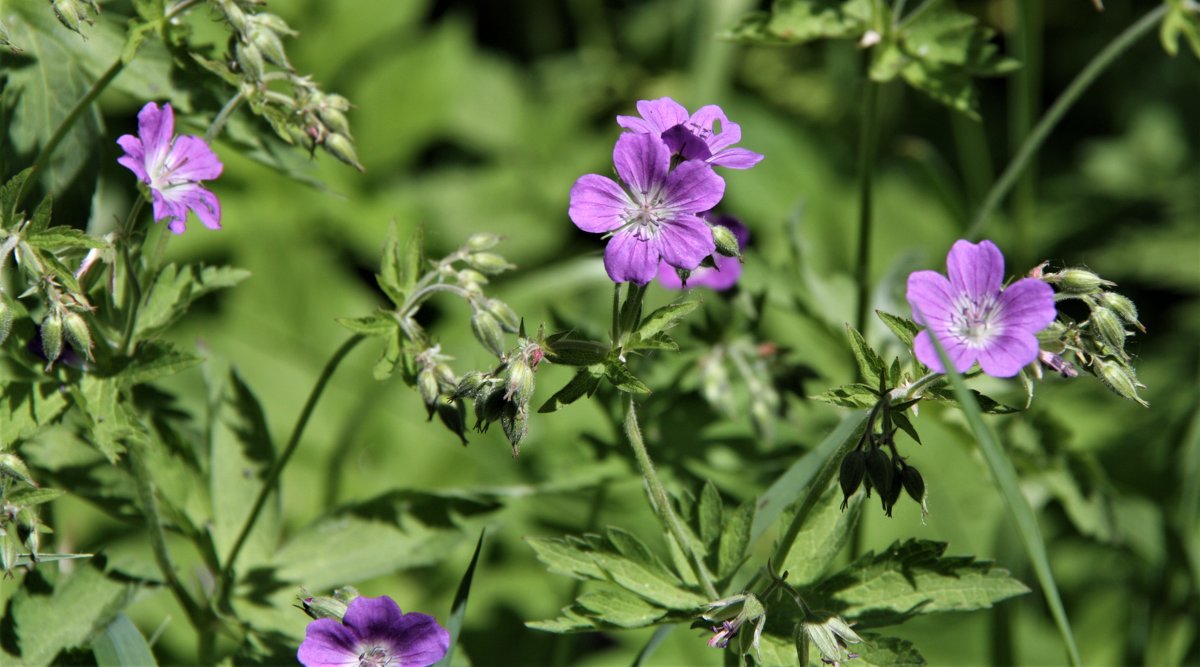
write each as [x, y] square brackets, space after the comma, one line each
[374, 656]
[162, 173]
[976, 323]
[646, 217]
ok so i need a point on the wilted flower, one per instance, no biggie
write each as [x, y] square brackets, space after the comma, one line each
[727, 271]
[705, 135]
[656, 220]
[173, 167]
[374, 632]
[973, 317]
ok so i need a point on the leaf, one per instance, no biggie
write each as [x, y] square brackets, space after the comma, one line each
[571, 352]
[41, 217]
[617, 607]
[878, 651]
[175, 289]
[914, 577]
[8, 196]
[799, 21]
[735, 540]
[58, 238]
[663, 319]
[870, 365]
[1182, 20]
[153, 361]
[376, 324]
[26, 408]
[28, 497]
[904, 328]
[458, 611]
[987, 404]
[822, 535]
[709, 515]
[585, 382]
[109, 420]
[849, 396]
[43, 630]
[122, 645]
[621, 378]
[401, 265]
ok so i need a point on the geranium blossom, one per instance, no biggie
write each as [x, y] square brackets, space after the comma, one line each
[974, 318]
[374, 632]
[705, 135]
[173, 167]
[656, 219]
[727, 271]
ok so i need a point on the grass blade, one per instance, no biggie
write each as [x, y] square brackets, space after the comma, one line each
[458, 611]
[657, 638]
[121, 645]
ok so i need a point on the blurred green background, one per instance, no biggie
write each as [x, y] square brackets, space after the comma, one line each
[479, 116]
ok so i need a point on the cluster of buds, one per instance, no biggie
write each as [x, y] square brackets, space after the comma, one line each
[752, 364]
[306, 116]
[871, 467]
[73, 13]
[1096, 344]
[327, 606]
[20, 527]
[503, 394]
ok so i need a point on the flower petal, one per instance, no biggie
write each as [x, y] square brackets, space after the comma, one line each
[191, 196]
[662, 114]
[598, 204]
[172, 211]
[629, 258]
[975, 268]
[191, 159]
[135, 157]
[642, 161]
[961, 354]
[328, 643]
[155, 128]
[685, 241]
[635, 123]
[373, 619]
[680, 140]
[421, 640]
[693, 187]
[736, 158]
[1027, 305]
[1007, 354]
[931, 297]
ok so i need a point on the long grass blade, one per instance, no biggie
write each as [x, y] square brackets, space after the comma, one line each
[458, 611]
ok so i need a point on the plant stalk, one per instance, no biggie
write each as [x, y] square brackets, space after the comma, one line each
[866, 158]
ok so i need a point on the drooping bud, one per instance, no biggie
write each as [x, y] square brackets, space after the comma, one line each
[1122, 306]
[515, 422]
[504, 314]
[854, 468]
[428, 388]
[78, 333]
[52, 336]
[519, 382]
[453, 413]
[339, 146]
[487, 331]
[268, 44]
[322, 606]
[335, 120]
[879, 471]
[1120, 379]
[482, 241]
[889, 498]
[915, 486]
[1077, 281]
[1109, 327]
[8, 550]
[726, 240]
[250, 59]
[469, 385]
[489, 263]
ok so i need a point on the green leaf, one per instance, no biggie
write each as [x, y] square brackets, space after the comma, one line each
[153, 361]
[878, 651]
[401, 265]
[822, 535]
[905, 329]
[620, 608]
[663, 319]
[377, 324]
[109, 420]
[850, 396]
[41, 217]
[735, 540]
[870, 365]
[709, 515]
[1182, 20]
[585, 382]
[57, 238]
[621, 378]
[8, 196]
[571, 352]
[989, 405]
[150, 10]
[392, 355]
[659, 341]
[27, 408]
[29, 497]
[914, 577]
[175, 289]
[43, 630]
[458, 611]
[122, 645]
[799, 21]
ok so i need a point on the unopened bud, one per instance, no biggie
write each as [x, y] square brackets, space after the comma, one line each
[469, 385]
[482, 241]
[78, 333]
[1120, 379]
[6, 317]
[516, 426]
[8, 550]
[1123, 306]
[334, 120]
[12, 466]
[323, 607]
[913, 484]
[234, 14]
[888, 498]
[334, 101]
[70, 13]
[453, 415]
[504, 313]
[487, 331]
[33, 538]
[342, 148]
[854, 468]
[428, 388]
[471, 280]
[273, 23]
[269, 45]
[488, 262]
[1077, 281]
[518, 382]
[727, 242]
[250, 59]
[1109, 327]
[52, 336]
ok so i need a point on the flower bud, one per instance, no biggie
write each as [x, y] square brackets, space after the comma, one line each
[469, 385]
[428, 388]
[6, 317]
[487, 331]
[250, 59]
[274, 24]
[12, 466]
[515, 423]
[482, 241]
[453, 415]
[889, 498]
[1077, 281]
[519, 382]
[504, 314]
[52, 336]
[471, 280]
[488, 262]
[1120, 379]
[335, 120]
[78, 333]
[1109, 327]
[879, 471]
[854, 468]
[269, 45]
[727, 242]
[323, 607]
[914, 485]
[1123, 306]
[33, 538]
[339, 146]
[70, 13]
[234, 14]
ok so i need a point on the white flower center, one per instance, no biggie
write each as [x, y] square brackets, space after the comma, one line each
[374, 656]
[976, 323]
[647, 214]
[162, 171]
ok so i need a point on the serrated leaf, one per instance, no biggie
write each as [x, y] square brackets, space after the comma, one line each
[376, 324]
[41, 216]
[43, 630]
[585, 382]
[663, 319]
[29, 497]
[8, 195]
[569, 352]
[900, 419]
[563, 557]
[822, 536]
[709, 515]
[878, 651]
[616, 607]
[648, 581]
[735, 540]
[870, 365]
[799, 21]
[914, 577]
[623, 379]
[175, 289]
[904, 328]
[58, 238]
[122, 645]
[402, 263]
[154, 361]
[849, 396]
[659, 341]
[27, 408]
[989, 405]
[109, 420]
[570, 621]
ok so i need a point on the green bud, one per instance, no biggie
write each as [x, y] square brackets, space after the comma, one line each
[273, 23]
[1123, 306]
[488, 332]
[727, 243]
[503, 313]
[6, 317]
[335, 120]
[516, 426]
[427, 387]
[250, 59]
[334, 101]
[469, 385]
[269, 45]
[323, 607]
[1077, 281]
[33, 538]
[12, 466]
[52, 336]
[1109, 327]
[453, 415]
[234, 14]
[346, 594]
[471, 280]
[340, 146]
[78, 333]
[854, 468]
[915, 486]
[519, 382]
[1120, 379]
[879, 471]
[482, 241]
[70, 14]
[488, 262]
[1053, 338]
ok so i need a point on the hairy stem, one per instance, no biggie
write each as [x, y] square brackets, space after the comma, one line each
[661, 501]
[214, 130]
[866, 158]
[133, 287]
[225, 581]
[1072, 94]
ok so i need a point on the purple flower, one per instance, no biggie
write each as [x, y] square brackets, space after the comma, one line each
[173, 168]
[656, 220]
[728, 269]
[973, 317]
[374, 632]
[705, 135]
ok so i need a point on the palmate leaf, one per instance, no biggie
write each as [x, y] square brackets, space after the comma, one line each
[800, 21]
[855, 395]
[874, 651]
[43, 630]
[176, 288]
[822, 536]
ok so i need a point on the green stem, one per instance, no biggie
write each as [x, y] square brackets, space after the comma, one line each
[866, 156]
[133, 286]
[1073, 92]
[1022, 108]
[225, 580]
[661, 501]
[218, 123]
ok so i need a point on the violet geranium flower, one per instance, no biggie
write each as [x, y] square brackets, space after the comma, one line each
[656, 220]
[374, 632]
[173, 167]
[974, 318]
[727, 271]
[705, 135]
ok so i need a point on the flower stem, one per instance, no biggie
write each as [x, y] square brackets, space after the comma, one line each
[866, 157]
[660, 501]
[133, 287]
[1073, 92]
[214, 130]
[225, 581]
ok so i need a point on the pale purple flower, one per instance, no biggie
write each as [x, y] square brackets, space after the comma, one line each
[374, 632]
[656, 220]
[974, 318]
[727, 271]
[705, 135]
[173, 167]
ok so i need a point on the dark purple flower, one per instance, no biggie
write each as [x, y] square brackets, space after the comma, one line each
[975, 319]
[173, 168]
[374, 632]
[728, 269]
[656, 220]
[705, 135]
